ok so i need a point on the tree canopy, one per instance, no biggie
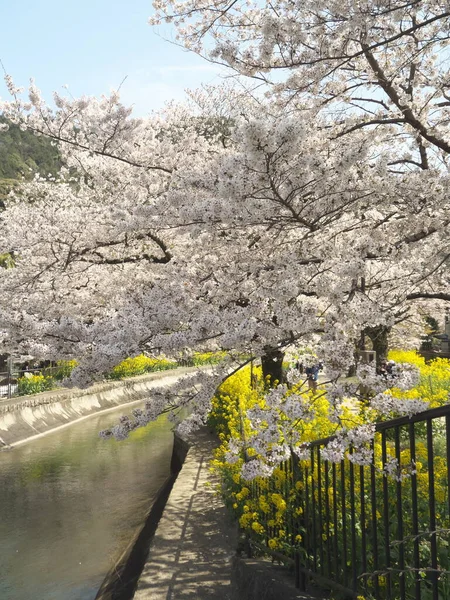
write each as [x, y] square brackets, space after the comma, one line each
[311, 216]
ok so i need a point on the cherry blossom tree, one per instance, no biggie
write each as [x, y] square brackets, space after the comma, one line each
[375, 66]
[372, 63]
[306, 219]
[283, 199]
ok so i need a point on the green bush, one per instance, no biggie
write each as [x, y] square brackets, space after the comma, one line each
[207, 358]
[62, 370]
[35, 384]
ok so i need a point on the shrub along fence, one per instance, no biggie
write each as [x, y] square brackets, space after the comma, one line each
[380, 531]
[22, 382]
[18, 382]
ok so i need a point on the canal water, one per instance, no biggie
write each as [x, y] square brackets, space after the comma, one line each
[70, 503]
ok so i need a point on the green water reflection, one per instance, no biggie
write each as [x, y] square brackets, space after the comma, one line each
[71, 502]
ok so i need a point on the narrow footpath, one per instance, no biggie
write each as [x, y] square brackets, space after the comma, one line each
[192, 550]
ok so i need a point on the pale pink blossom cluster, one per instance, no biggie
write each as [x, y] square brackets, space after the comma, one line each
[255, 468]
[403, 376]
[387, 404]
[353, 444]
[399, 472]
[334, 451]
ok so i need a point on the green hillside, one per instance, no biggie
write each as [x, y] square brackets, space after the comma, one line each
[22, 154]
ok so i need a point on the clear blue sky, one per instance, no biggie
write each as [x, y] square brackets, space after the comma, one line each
[91, 45]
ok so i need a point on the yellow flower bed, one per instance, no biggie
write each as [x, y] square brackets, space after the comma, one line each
[139, 365]
[267, 507]
[262, 500]
[34, 384]
[207, 358]
[434, 385]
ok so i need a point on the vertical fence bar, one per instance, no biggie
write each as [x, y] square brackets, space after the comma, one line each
[400, 535]
[297, 477]
[273, 490]
[285, 488]
[387, 549]
[335, 523]
[307, 515]
[267, 533]
[415, 513]
[287, 468]
[313, 545]
[327, 518]
[320, 508]
[362, 501]
[293, 525]
[447, 442]
[373, 501]
[432, 509]
[344, 524]
[293, 494]
[353, 522]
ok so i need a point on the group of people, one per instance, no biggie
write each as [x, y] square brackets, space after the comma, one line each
[34, 367]
[387, 368]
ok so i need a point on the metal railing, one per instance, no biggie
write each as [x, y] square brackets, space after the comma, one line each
[10, 384]
[381, 531]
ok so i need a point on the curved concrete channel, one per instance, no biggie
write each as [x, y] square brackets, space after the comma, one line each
[28, 417]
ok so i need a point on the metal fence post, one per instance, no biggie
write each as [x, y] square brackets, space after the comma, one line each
[9, 376]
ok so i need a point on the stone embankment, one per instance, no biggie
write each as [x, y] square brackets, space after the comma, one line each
[26, 417]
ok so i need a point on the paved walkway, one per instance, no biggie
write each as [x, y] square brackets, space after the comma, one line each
[190, 555]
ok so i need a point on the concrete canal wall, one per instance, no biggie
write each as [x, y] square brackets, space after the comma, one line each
[26, 417]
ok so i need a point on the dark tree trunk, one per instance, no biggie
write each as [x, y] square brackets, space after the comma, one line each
[379, 337]
[272, 367]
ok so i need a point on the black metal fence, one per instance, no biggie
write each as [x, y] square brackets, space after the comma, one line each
[16, 381]
[380, 531]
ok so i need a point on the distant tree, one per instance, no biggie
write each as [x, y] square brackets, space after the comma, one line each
[432, 325]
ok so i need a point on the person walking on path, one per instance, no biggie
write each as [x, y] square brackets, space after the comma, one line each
[312, 375]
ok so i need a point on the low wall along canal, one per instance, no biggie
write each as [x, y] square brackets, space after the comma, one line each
[26, 417]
